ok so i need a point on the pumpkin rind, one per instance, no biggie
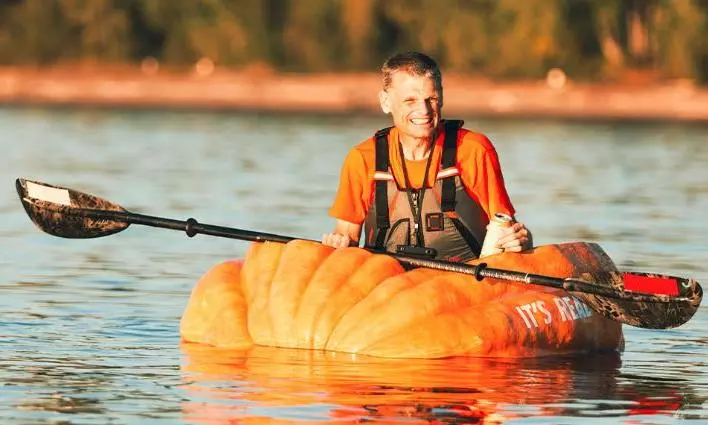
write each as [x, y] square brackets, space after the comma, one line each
[306, 295]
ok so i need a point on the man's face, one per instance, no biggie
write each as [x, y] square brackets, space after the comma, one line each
[414, 103]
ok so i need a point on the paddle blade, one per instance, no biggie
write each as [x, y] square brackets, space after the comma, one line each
[647, 300]
[637, 299]
[67, 213]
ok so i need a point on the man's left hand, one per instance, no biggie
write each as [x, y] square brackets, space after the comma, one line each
[515, 238]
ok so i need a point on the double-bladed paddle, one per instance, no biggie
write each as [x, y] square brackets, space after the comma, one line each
[637, 299]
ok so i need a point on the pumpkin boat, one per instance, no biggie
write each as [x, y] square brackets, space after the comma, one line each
[302, 294]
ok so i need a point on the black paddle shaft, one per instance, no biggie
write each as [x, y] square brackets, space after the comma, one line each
[192, 228]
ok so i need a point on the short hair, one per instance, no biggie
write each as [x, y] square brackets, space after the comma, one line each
[414, 63]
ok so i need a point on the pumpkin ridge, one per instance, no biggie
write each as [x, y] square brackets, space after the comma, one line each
[300, 261]
[455, 299]
[331, 275]
[347, 266]
[250, 257]
[259, 278]
[378, 313]
[347, 324]
[360, 285]
[216, 309]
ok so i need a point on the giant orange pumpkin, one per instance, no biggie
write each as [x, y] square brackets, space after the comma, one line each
[306, 295]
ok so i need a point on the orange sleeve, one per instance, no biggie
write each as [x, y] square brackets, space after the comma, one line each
[481, 174]
[352, 199]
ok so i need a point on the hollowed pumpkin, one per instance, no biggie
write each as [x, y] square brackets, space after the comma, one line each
[306, 295]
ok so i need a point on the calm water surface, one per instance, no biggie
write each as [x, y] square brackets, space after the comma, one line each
[89, 328]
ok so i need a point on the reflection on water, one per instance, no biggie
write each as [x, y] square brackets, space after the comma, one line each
[89, 328]
[270, 382]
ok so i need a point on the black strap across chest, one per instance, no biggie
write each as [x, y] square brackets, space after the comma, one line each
[449, 155]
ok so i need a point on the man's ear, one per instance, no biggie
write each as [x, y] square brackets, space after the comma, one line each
[385, 101]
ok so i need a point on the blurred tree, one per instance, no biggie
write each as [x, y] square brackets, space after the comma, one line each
[312, 38]
[678, 39]
[650, 35]
[358, 19]
[582, 54]
[637, 13]
[609, 31]
[34, 32]
[497, 37]
[227, 32]
[370, 34]
[455, 32]
[275, 18]
[420, 23]
[702, 51]
[100, 29]
[147, 40]
[466, 38]
[527, 37]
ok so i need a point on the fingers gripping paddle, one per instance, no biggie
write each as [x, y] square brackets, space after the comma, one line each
[636, 299]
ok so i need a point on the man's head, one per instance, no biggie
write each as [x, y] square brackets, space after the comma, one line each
[412, 93]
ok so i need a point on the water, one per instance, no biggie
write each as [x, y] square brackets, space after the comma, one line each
[89, 330]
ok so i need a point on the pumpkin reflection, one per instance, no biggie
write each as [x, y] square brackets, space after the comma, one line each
[276, 385]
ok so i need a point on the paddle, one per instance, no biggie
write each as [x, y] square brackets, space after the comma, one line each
[654, 301]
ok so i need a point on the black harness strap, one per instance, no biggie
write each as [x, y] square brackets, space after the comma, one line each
[447, 201]
[449, 154]
[381, 188]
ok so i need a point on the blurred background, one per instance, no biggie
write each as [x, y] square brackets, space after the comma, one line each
[651, 51]
[240, 113]
[591, 40]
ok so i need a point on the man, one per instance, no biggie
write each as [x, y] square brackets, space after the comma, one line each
[424, 186]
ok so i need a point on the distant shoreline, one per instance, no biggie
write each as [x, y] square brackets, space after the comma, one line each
[344, 93]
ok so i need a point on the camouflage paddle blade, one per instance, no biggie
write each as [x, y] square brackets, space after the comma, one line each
[67, 213]
[652, 310]
[643, 300]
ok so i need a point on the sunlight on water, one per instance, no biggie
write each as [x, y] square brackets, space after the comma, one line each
[457, 390]
[90, 327]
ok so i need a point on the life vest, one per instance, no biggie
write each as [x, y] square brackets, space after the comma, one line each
[441, 222]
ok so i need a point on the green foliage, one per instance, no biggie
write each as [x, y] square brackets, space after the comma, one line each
[528, 36]
[312, 35]
[227, 32]
[679, 37]
[495, 38]
[35, 32]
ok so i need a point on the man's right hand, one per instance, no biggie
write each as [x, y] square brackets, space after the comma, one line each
[345, 234]
[336, 240]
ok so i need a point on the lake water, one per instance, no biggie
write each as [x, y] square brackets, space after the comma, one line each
[89, 328]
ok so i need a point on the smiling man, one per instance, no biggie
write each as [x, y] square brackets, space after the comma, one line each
[425, 186]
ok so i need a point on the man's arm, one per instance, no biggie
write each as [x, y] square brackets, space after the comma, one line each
[483, 180]
[345, 234]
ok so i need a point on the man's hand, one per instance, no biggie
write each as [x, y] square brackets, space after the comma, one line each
[345, 234]
[515, 238]
[336, 240]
